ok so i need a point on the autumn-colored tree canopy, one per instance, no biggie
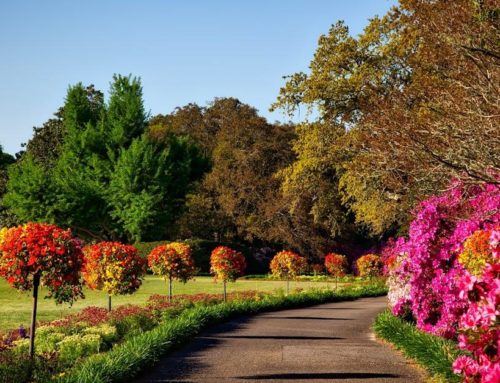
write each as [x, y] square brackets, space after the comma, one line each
[227, 264]
[336, 264]
[38, 253]
[172, 261]
[403, 107]
[369, 265]
[288, 264]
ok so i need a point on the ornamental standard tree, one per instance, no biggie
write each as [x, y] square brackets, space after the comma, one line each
[336, 265]
[41, 253]
[369, 265]
[287, 264]
[113, 268]
[227, 264]
[173, 262]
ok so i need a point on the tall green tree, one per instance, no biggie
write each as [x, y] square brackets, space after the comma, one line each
[149, 183]
[109, 180]
[7, 218]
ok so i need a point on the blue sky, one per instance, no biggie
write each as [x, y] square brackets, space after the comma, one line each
[184, 50]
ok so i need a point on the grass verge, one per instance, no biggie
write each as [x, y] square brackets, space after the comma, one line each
[136, 354]
[432, 353]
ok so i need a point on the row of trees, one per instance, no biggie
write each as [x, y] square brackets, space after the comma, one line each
[397, 111]
[35, 254]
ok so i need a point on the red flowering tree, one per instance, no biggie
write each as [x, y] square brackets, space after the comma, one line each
[369, 265]
[173, 262]
[41, 253]
[287, 264]
[227, 264]
[336, 265]
[114, 268]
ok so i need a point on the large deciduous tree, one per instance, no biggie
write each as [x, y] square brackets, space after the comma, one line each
[404, 106]
[240, 195]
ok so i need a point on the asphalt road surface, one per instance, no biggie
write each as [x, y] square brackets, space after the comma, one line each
[325, 343]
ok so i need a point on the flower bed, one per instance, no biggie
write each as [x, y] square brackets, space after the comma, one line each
[63, 342]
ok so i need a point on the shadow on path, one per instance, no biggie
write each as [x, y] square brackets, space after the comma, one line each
[279, 337]
[298, 349]
[334, 308]
[324, 375]
[307, 318]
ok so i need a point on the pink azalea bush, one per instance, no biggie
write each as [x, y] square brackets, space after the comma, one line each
[443, 276]
[436, 236]
[397, 277]
[479, 332]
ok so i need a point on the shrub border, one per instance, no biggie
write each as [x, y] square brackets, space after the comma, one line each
[434, 354]
[130, 358]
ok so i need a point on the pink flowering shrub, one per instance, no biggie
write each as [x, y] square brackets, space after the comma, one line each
[436, 237]
[479, 332]
[398, 277]
[447, 274]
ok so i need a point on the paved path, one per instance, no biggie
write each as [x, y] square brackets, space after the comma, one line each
[326, 343]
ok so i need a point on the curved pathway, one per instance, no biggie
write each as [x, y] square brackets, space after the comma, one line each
[326, 343]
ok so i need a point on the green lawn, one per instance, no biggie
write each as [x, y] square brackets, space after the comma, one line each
[15, 308]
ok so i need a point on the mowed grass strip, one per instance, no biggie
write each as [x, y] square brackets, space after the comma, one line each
[15, 307]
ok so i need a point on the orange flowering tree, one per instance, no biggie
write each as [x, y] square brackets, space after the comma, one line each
[41, 253]
[287, 264]
[114, 268]
[173, 262]
[369, 265]
[227, 264]
[336, 265]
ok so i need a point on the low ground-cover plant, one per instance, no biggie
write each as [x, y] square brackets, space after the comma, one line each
[433, 353]
[136, 354]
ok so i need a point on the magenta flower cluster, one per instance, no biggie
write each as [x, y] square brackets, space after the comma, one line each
[479, 331]
[444, 298]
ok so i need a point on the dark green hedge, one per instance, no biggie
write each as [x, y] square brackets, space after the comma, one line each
[433, 353]
[202, 250]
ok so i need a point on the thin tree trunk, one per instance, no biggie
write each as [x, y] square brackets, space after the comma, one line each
[170, 295]
[225, 292]
[336, 282]
[287, 285]
[109, 302]
[36, 283]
